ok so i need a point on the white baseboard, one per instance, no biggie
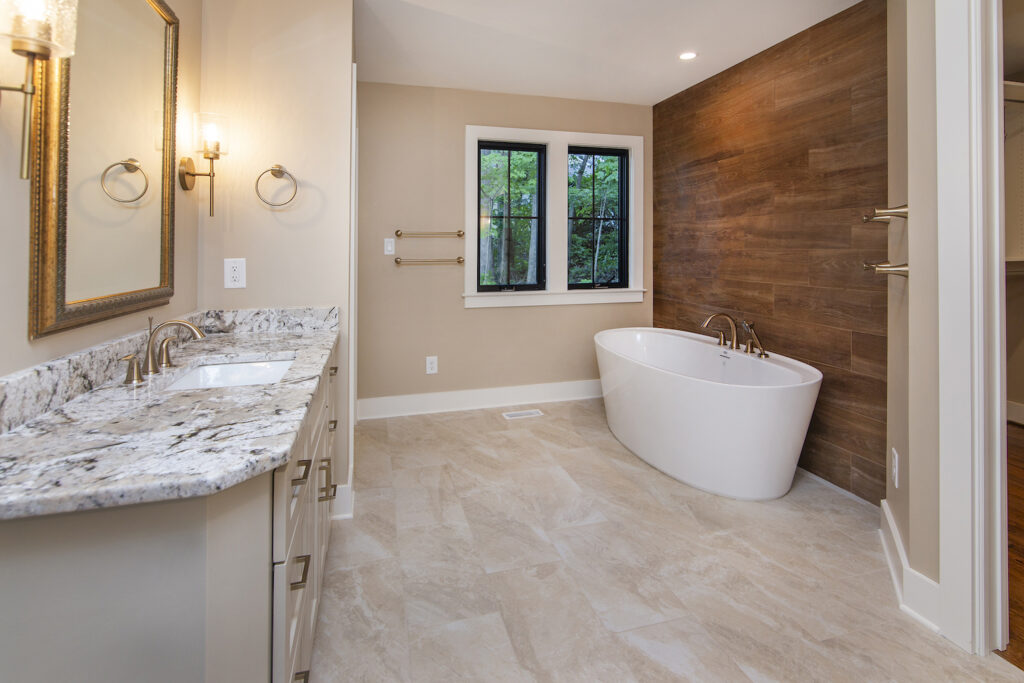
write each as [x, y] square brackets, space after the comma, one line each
[474, 399]
[344, 504]
[1015, 412]
[919, 597]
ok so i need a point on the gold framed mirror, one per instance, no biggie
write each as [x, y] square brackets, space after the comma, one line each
[102, 234]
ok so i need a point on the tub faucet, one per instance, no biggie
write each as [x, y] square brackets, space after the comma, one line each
[150, 366]
[733, 344]
[753, 340]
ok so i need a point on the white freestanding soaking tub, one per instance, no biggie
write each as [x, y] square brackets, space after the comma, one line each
[711, 417]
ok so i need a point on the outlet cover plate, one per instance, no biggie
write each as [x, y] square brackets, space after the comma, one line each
[234, 273]
[431, 365]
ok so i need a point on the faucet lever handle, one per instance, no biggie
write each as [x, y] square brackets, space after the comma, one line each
[165, 353]
[134, 375]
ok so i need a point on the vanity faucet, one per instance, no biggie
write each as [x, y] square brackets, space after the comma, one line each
[733, 344]
[753, 341]
[150, 365]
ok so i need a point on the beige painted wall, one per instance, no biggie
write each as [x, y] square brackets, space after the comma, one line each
[1015, 339]
[897, 402]
[16, 351]
[913, 409]
[411, 175]
[283, 77]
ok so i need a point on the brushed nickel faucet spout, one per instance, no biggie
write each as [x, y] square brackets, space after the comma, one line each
[150, 366]
[733, 343]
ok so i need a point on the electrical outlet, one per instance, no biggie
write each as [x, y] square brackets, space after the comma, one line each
[431, 365]
[389, 246]
[895, 469]
[234, 273]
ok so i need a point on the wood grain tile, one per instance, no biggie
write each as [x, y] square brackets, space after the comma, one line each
[869, 354]
[762, 174]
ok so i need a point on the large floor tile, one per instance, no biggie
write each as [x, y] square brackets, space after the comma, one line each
[360, 634]
[619, 570]
[369, 536]
[554, 631]
[476, 649]
[507, 533]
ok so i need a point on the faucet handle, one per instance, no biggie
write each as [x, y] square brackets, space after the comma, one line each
[134, 375]
[165, 353]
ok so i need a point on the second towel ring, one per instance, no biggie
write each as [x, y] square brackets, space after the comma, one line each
[278, 171]
[131, 166]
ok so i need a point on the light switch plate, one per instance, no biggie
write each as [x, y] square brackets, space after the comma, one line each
[389, 246]
[234, 273]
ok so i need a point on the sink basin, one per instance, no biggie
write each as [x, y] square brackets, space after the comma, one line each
[232, 375]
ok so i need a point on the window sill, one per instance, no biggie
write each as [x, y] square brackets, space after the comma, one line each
[545, 298]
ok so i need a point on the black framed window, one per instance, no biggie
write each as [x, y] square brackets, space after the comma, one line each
[598, 217]
[510, 184]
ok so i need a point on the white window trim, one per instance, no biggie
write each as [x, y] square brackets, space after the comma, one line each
[557, 215]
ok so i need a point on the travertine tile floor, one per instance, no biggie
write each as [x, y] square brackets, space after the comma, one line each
[541, 549]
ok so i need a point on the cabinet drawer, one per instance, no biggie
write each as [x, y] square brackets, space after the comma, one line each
[292, 485]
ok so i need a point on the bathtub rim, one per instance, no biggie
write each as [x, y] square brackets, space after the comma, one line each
[816, 374]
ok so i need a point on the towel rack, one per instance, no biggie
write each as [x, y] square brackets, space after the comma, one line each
[130, 166]
[886, 215]
[886, 268]
[458, 261]
[278, 171]
[456, 234]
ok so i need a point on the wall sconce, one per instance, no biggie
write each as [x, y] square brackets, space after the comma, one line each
[210, 135]
[36, 29]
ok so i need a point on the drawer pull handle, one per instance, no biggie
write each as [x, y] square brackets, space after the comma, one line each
[302, 676]
[332, 426]
[334, 370]
[329, 490]
[306, 465]
[301, 583]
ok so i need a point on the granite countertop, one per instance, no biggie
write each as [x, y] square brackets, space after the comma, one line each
[120, 445]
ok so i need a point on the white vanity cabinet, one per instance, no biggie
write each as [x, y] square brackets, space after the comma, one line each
[304, 492]
[218, 587]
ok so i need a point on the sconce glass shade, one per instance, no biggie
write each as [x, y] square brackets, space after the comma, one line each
[210, 133]
[43, 28]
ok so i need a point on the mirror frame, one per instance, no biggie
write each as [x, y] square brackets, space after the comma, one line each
[48, 309]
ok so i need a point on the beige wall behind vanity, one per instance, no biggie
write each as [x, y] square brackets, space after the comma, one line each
[411, 175]
[283, 77]
[16, 351]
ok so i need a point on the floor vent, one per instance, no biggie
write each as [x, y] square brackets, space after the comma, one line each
[522, 414]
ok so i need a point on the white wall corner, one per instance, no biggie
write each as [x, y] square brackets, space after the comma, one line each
[476, 399]
[917, 595]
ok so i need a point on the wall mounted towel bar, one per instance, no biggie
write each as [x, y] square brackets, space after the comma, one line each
[456, 234]
[278, 171]
[886, 268]
[130, 166]
[458, 261]
[886, 215]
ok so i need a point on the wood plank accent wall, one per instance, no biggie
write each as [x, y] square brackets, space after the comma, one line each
[761, 176]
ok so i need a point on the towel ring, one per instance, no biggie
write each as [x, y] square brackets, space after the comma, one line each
[131, 166]
[278, 171]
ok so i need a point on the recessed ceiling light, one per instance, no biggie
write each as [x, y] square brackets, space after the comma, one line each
[686, 56]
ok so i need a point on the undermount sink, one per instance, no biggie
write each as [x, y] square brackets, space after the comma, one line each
[232, 375]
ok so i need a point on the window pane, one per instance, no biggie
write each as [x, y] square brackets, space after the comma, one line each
[525, 197]
[525, 252]
[596, 247]
[606, 256]
[581, 185]
[492, 250]
[581, 252]
[493, 181]
[606, 187]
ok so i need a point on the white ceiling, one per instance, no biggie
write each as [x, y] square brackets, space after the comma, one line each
[609, 50]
